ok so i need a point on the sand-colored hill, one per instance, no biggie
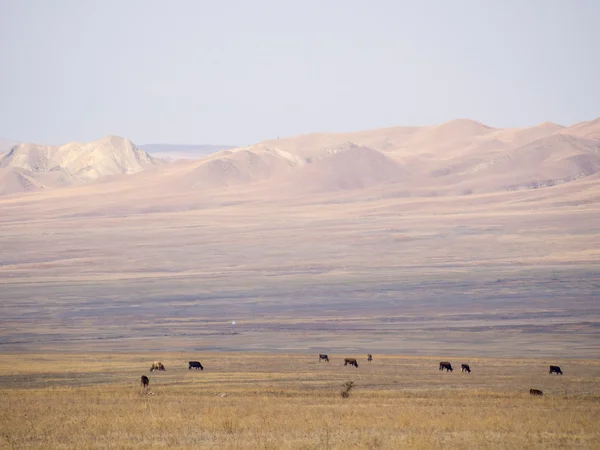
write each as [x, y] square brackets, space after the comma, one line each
[455, 158]
[13, 181]
[459, 157]
[589, 129]
[345, 167]
[245, 165]
[32, 167]
[545, 162]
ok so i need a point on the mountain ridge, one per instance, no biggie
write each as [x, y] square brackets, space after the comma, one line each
[458, 157]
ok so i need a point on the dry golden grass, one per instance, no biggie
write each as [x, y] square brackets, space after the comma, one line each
[293, 401]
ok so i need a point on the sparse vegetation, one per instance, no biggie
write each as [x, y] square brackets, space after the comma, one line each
[270, 401]
[348, 386]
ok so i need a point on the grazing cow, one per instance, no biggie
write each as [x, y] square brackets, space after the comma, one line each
[446, 365]
[351, 361]
[369, 357]
[195, 365]
[144, 381]
[465, 368]
[323, 357]
[556, 370]
[535, 392]
[157, 365]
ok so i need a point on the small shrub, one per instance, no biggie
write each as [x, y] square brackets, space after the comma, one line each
[348, 386]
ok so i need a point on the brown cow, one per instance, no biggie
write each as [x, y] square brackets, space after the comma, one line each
[535, 392]
[157, 365]
[144, 382]
[351, 361]
[465, 368]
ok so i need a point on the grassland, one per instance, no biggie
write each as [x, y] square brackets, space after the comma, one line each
[515, 274]
[94, 400]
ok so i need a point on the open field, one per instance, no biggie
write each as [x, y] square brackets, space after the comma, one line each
[551, 312]
[507, 275]
[458, 238]
[256, 400]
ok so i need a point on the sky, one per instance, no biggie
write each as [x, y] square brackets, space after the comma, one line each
[235, 72]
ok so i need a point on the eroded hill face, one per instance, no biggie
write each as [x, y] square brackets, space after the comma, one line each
[30, 167]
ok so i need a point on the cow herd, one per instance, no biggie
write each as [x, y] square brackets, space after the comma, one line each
[157, 365]
[347, 361]
[444, 365]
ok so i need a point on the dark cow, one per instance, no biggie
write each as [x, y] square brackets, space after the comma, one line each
[195, 365]
[351, 361]
[323, 357]
[144, 381]
[369, 357]
[465, 368]
[556, 370]
[157, 365]
[446, 365]
[535, 392]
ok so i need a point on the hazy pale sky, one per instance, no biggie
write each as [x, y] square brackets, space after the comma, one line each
[237, 72]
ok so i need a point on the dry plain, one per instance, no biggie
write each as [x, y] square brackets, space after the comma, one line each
[512, 274]
[242, 400]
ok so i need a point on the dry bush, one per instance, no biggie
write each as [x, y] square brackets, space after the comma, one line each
[348, 386]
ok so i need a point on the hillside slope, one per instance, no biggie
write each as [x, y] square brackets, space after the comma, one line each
[29, 167]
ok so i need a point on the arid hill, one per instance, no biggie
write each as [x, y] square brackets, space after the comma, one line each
[460, 157]
[30, 167]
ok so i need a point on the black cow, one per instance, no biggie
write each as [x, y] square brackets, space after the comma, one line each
[535, 392]
[369, 357]
[556, 370]
[446, 365]
[195, 365]
[323, 357]
[351, 361]
[465, 368]
[144, 381]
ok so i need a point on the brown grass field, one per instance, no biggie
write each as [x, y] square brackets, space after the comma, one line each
[95, 400]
